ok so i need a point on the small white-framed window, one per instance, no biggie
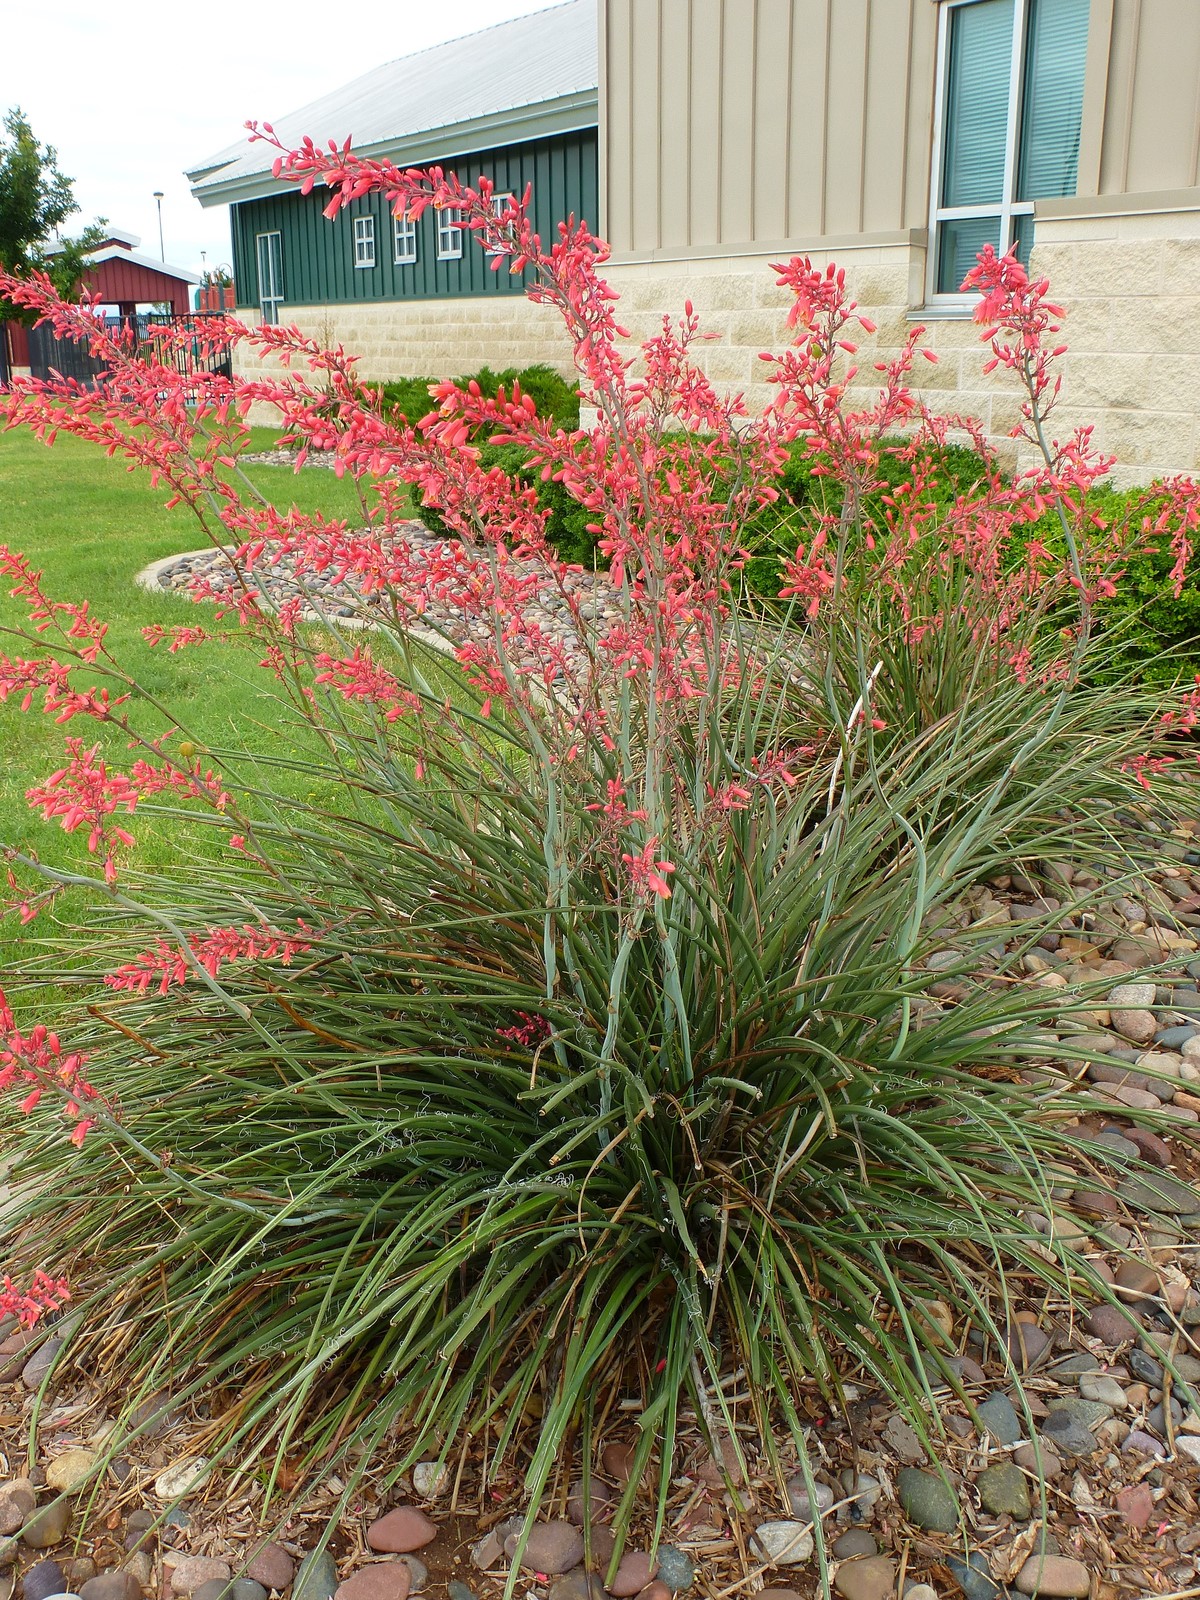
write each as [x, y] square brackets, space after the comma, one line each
[500, 204]
[404, 240]
[1007, 124]
[269, 253]
[449, 234]
[364, 241]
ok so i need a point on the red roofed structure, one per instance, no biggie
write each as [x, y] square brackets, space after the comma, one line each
[122, 277]
[125, 278]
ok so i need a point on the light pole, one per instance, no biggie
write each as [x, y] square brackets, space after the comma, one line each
[158, 197]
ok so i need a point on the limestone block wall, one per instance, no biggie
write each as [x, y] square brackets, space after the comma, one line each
[411, 338]
[1130, 284]
[737, 297]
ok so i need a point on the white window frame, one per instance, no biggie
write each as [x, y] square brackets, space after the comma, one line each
[270, 295]
[449, 234]
[404, 240]
[1008, 208]
[364, 241]
[500, 203]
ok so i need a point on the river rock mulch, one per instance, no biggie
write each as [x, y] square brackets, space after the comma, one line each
[287, 458]
[213, 574]
[1081, 1476]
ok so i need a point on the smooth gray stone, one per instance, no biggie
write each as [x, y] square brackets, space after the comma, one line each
[675, 1569]
[999, 1416]
[317, 1578]
[927, 1500]
[1074, 1366]
[1172, 1038]
[1144, 1367]
[1161, 1192]
[1090, 1413]
[855, 1542]
[974, 1577]
[43, 1579]
[1068, 1435]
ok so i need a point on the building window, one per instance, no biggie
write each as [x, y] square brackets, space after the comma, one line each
[1009, 112]
[449, 234]
[269, 254]
[404, 233]
[364, 241]
[500, 204]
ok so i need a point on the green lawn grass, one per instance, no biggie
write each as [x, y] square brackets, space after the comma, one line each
[91, 526]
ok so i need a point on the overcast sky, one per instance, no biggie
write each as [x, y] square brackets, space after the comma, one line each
[130, 92]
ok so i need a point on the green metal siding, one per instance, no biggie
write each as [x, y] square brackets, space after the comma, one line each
[318, 255]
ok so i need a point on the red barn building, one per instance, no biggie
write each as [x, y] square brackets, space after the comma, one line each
[123, 278]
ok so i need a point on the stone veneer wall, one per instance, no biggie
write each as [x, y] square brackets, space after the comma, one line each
[1130, 285]
[412, 338]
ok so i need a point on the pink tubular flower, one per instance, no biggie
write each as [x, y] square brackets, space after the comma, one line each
[37, 1059]
[531, 1031]
[168, 965]
[30, 1305]
[85, 794]
[646, 874]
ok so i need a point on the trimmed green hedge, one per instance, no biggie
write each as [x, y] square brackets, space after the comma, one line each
[1159, 632]
[552, 394]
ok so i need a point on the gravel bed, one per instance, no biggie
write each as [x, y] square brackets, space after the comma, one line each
[341, 601]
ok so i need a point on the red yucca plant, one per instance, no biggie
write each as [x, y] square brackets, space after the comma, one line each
[576, 1034]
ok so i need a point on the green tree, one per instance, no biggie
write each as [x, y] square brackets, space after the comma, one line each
[35, 198]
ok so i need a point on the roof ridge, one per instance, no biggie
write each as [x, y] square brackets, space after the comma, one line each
[507, 22]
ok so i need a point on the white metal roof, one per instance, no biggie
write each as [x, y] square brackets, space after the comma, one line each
[531, 77]
[111, 235]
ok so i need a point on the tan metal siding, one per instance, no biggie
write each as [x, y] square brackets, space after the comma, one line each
[1164, 75]
[730, 123]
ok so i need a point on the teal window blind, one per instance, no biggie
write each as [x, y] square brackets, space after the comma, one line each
[980, 61]
[959, 244]
[1052, 108]
[1012, 111]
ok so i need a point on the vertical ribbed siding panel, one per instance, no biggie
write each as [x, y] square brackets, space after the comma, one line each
[245, 270]
[615, 119]
[887, 97]
[646, 133]
[766, 119]
[805, 176]
[704, 168]
[1151, 97]
[739, 111]
[674, 154]
[846, 100]
[1165, 72]
[773, 150]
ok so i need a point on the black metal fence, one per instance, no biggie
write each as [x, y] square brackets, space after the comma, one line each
[49, 354]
